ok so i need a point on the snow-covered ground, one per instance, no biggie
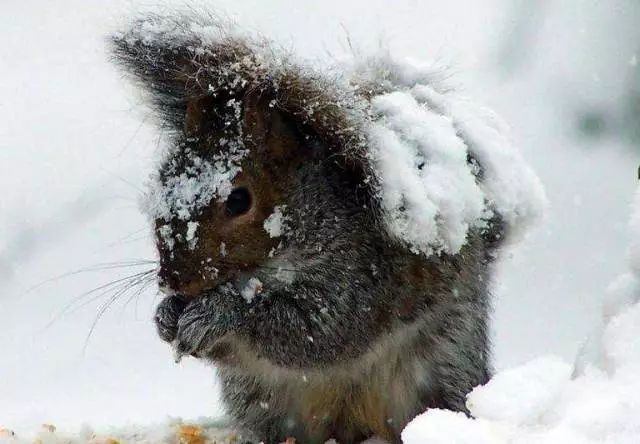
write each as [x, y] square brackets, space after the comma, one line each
[75, 150]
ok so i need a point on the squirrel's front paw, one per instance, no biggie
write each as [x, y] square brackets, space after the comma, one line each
[167, 314]
[206, 321]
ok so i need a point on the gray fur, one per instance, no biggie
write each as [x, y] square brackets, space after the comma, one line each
[360, 327]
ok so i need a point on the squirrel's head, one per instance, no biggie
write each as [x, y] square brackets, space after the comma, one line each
[280, 196]
[257, 182]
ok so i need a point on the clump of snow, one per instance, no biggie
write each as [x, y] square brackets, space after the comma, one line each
[187, 188]
[429, 193]
[522, 394]
[251, 289]
[165, 232]
[444, 164]
[548, 401]
[452, 428]
[190, 236]
[276, 223]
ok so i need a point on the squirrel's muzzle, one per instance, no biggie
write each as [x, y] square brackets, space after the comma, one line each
[189, 274]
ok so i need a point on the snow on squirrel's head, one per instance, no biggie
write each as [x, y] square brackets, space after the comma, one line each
[427, 165]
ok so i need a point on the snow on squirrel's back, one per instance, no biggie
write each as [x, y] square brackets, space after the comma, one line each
[445, 165]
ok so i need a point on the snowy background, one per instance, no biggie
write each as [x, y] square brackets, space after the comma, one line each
[76, 147]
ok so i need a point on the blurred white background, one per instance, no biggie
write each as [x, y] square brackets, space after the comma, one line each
[76, 146]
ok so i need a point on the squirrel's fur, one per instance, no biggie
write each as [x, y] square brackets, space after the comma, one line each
[361, 335]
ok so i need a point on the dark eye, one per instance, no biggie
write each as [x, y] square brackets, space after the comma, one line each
[238, 202]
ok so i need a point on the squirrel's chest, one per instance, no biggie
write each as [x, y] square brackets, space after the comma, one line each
[342, 405]
[347, 409]
[374, 396]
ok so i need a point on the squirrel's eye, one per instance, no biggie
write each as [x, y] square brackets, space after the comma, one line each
[238, 202]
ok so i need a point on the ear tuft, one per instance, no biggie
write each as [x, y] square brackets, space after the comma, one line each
[179, 58]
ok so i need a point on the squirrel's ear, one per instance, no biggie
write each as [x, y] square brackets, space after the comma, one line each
[160, 66]
[273, 132]
[175, 64]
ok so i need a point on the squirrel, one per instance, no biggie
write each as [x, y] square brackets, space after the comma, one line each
[275, 261]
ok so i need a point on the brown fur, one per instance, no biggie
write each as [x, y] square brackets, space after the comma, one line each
[274, 152]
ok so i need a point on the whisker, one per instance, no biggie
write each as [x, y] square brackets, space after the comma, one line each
[123, 180]
[131, 240]
[130, 282]
[93, 268]
[106, 305]
[126, 238]
[143, 285]
[101, 290]
[135, 134]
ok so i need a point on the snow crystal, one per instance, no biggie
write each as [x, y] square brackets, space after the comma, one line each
[275, 224]
[190, 236]
[251, 289]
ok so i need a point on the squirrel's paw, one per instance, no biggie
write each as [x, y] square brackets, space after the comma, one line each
[206, 321]
[166, 318]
